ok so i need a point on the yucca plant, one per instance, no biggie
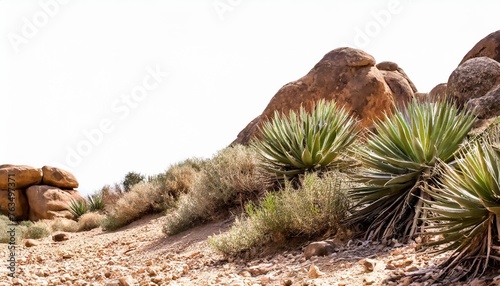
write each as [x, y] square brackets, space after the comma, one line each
[78, 207]
[95, 202]
[401, 157]
[305, 141]
[466, 205]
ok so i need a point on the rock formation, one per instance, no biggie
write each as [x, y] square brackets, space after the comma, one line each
[38, 193]
[348, 76]
[58, 178]
[475, 83]
[24, 176]
[489, 47]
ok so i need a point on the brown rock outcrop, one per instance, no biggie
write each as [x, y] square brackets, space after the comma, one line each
[16, 206]
[348, 76]
[489, 47]
[48, 202]
[24, 176]
[58, 178]
[438, 93]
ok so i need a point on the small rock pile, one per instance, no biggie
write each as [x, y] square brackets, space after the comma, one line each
[36, 193]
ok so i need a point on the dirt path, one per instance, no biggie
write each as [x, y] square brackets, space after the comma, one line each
[140, 254]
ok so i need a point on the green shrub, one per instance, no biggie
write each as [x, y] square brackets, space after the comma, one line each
[401, 158]
[131, 179]
[78, 207]
[307, 141]
[229, 179]
[466, 210]
[316, 208]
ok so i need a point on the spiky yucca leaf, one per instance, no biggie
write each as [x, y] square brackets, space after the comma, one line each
[78, 207]
[95, 202]
[303, 141]
[402, 155]
[467, 207]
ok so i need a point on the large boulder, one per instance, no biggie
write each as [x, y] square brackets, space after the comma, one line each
[23, 176]
[48, 202]
[348, 76]
[13, 204]
[472, 79]
[489, 47]
[58, 178]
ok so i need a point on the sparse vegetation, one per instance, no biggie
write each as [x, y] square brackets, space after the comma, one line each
[229, 179]
[316, 208]
[303, 142]
[401, 158]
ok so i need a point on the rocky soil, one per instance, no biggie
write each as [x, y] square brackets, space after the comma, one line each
[141, 254]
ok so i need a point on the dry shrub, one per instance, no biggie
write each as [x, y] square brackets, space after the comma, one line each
[63, 224]
[315, 209]
[144, 198]
[179, 179]
[39, 229]
[229, 179]
[89, 221]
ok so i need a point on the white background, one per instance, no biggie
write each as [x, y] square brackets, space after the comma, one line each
[65, 65]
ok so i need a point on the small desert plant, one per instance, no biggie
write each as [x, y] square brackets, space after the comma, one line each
[39, 229]
[78, 207]
[131, 179]
[96, 202]
[306, 142]
[401, 158]
[314, 209]
[63, 224]
[229, 179]
[144, 198]
[467, 213]
[90, 221]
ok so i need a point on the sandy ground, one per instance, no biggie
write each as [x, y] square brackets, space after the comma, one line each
[140, 254]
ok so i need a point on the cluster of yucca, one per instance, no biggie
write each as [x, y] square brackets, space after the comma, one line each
[422, 175]
[403, 157]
